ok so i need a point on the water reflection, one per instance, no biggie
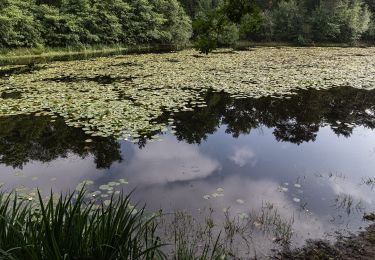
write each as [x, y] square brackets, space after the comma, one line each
[296, 120]
[307, 156]
[168, 162]
[26, 138]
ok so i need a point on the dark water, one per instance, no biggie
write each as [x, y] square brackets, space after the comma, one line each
[311, 156]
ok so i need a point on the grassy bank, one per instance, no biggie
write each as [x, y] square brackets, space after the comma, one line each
[25, 56]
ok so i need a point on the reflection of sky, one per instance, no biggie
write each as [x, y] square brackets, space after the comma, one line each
[172, 174]
[242, 156]
[62, 174]
[169, 161]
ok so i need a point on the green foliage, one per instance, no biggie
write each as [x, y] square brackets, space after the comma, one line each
[221, 25]
[73, 227]
[250, 23]
[287, 20]
[229, 35]
[357, 19]
[207, 29]
[370, 34]
[57, 29]
[343, 21]
[310, 21]
[236, 9]
[17, 24]
[205, 44]
[61, 23]
[177, 28]
[212, 23]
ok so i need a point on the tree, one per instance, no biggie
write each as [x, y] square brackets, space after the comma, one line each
[104, 23]
[18, 28]
[340, 20]
[287, 20]
[57, 29]
[219, 26]
[176, 27]
[356, 20]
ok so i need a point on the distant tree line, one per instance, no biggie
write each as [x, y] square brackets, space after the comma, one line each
[207, 23]
[61, 23]
[304, 22]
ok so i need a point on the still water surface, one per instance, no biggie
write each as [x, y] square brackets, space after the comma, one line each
[310, 155]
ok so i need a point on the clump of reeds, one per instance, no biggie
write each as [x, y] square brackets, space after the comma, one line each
[72, 227]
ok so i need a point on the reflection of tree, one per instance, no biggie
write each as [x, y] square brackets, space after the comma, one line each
[27, 138]
[296, 120]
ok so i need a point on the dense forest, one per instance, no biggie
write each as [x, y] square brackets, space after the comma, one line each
[60, 23]
[208, 23]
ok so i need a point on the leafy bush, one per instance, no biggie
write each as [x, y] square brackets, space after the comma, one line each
[57, 29]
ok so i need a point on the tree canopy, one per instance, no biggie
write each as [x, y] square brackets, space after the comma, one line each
[61, 23]
[303, 22]
[207, 23]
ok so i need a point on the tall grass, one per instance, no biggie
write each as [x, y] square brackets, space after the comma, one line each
[74, 228]
[25, 56]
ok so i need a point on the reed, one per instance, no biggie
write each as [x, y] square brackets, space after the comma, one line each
[73, 228]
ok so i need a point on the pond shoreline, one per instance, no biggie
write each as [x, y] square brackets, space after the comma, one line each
[27, 56]
[361, 246]
[34, 56]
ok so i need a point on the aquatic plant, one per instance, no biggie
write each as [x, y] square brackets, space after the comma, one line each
[80, 225]
[73, 228]
[123, 96]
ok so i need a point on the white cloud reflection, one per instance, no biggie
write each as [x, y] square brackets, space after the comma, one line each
[344, 187]
[169, 161]
[255, 194]
[243, 156]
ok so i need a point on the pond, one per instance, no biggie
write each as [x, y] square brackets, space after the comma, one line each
[306, 157]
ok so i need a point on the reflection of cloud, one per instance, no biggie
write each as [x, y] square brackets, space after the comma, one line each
[243, 156]
[254, 194]
[169, 161]
[344, 187]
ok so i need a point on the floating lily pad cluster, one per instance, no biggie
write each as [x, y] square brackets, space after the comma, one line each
[123, 96]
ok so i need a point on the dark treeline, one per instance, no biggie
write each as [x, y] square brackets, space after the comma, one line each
[62, 23]
[208, 23]
[304, 22]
